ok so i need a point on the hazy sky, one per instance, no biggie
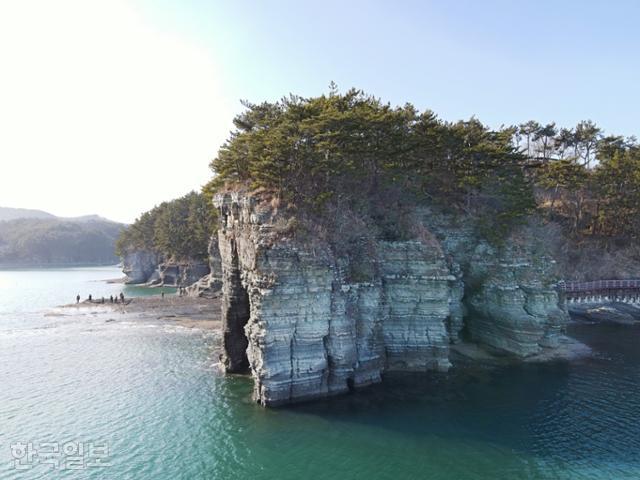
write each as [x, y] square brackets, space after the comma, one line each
[112, 106]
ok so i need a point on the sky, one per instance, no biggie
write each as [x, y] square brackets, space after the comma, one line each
[110, 107]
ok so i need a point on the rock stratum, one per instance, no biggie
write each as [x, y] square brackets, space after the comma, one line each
[307, 322]
[149, 268]
[202, 279]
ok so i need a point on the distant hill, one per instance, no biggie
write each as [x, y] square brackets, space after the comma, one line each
[37, 238]
[86, 218]
[7, 213]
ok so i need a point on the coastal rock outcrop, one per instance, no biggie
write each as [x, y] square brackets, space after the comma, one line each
[515, 307]
[203, 279]
[209, 286]
[139, 265]
[606, 312]
[509, 297]
[177, 274]
[307, 322]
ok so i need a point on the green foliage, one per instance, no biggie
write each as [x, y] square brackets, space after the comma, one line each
[179, 229]
[585, 179]
[617, 187]
[563, 174]
[337, 151]
[350, 151]
[139, 235]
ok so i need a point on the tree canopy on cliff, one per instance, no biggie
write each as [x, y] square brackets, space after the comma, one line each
[350, 149]
[178, 230]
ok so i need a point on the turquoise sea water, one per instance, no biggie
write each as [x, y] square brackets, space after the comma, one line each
[151, 394]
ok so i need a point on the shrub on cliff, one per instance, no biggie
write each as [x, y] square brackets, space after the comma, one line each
[179, 229]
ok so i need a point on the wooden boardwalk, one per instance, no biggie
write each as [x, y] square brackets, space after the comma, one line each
[602, 290]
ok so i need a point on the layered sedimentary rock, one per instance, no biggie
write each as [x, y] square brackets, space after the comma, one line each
[147, 267]
[305, 325]
[607, 312]
[507, 293]
[515, 307]
[139, 265]
[179, 274]
[209, 286]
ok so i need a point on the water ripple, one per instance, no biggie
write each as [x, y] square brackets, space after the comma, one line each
[154, 394]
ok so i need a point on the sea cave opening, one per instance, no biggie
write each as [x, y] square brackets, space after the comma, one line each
[237, 315]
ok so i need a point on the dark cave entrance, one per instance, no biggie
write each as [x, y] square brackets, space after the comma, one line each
[351, 385]
[236, 312]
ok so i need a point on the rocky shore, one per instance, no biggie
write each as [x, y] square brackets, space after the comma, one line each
[180, 311]
[609, 312]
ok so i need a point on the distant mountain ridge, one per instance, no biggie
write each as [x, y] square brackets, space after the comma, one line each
[30, 238]
[10, 213]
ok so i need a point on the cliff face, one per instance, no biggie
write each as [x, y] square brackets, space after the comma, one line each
[507, 295]
[173, 274]
[139, 265]
[210, 284]
[147, 267]
[304, 328]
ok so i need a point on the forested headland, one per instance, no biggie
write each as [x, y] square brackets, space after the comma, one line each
[177, 230]
[348, 160]
[348, 166]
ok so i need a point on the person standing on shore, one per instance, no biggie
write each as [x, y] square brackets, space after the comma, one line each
[90, 298]
[78, 298]
[122, 297]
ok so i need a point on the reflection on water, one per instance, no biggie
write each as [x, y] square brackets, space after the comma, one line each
[153, 394]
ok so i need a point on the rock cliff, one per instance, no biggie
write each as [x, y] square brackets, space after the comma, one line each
[297, 317]
[147, 267]
[209, 285]
[179, 274]
[139, 265]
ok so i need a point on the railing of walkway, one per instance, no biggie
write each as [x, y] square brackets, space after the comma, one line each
[599, 286]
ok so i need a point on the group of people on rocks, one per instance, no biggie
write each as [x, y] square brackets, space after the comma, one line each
[112, 299]
[182, 291]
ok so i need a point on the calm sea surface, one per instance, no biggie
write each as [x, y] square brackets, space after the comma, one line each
[149, 394]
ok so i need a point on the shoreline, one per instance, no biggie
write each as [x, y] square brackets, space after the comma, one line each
[205, 314]
[52, 266]
[189, 312]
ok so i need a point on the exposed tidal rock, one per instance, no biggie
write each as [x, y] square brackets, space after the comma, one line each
[608, 312]
[139, 265]
[307, 322]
